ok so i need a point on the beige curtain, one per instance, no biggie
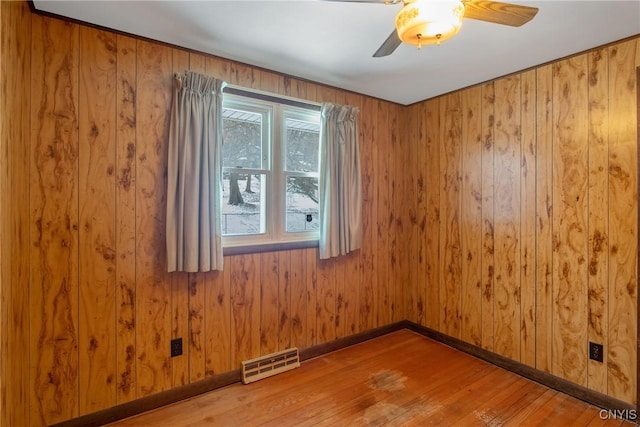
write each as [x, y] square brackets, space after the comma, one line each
[194, 239]
[340, 182]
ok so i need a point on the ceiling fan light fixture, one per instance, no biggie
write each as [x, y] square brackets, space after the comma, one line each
[423, 22]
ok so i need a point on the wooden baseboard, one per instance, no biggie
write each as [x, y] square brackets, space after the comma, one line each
[593, 397]
[177, 394]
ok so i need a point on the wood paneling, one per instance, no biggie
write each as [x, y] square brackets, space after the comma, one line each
[570, 174]
[97, 217]
[54, 303]
[471, 217]
[450, 182]
[598, 245]
[126, 220]
[15, 240]
[487, 192]
[506, 340]
[623, 211]
[153, 284]
[544, 212]
[478, 172]
[557, 169]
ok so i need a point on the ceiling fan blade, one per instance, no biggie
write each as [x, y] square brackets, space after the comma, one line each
[390, 44]
[514, 15]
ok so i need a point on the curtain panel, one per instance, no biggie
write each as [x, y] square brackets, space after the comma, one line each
[340, 182]
[194, 190]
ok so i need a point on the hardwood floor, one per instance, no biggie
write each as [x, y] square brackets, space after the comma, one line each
[400, 379]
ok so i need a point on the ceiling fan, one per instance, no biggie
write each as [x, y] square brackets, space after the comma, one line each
[424, 22]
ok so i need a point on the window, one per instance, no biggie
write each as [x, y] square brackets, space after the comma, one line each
[270, 166]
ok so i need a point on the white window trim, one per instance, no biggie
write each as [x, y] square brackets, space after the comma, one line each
[277, 109]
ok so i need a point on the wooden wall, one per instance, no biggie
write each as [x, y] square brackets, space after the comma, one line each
[15, 33]
[503, 214]
[527, 217]
[90, 175]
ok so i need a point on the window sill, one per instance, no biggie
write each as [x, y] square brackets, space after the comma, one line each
[269, 247]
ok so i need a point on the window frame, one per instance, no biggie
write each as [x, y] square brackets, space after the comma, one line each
[276, 109]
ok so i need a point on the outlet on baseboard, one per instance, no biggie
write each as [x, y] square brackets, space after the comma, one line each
[176, 347]
[595, 351]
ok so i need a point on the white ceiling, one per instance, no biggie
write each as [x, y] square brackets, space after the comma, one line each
[332, 42]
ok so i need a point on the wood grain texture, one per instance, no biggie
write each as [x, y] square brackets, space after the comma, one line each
[432, 267]
[488, 232]
[450, 244]
[544, 219]
[598, 246]
[548, 202]
[97, 213]
[153, 284]
[507, 218]
[570, 172]
[371, 384]
[217, 346]
[623, 233]
[126, 220]
[471, 217]
[54, 222]
[218, 315]
[269, 322]
[377, 128]
[244, 279]
[15, 138]
[421, 211]
[528, 218]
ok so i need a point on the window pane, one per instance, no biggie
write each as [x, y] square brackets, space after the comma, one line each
[302, 204]
[242, 139]
[243, 203]
[303, 139]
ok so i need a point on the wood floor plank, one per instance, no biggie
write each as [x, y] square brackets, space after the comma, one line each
[400, 379]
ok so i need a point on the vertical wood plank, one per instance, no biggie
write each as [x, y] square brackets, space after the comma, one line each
[126, 219]
[450, 245]
[528, 218]
[623, 232]
[422, 209]
[54, 221]
[432, 251]
[218, 321]
[544, 219]
[196, 334]
[471, 216]
[326, 300]
[269, 313]
[245, 307]
[153, 283]
[311, 280]
[377, 127]
[488, 200]
[598, 225]
[97, 217]
[399, 237]
[299, 307]
[284, 301]
[507, 218]
[570, 216]
[368, 155]
[15, 141]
